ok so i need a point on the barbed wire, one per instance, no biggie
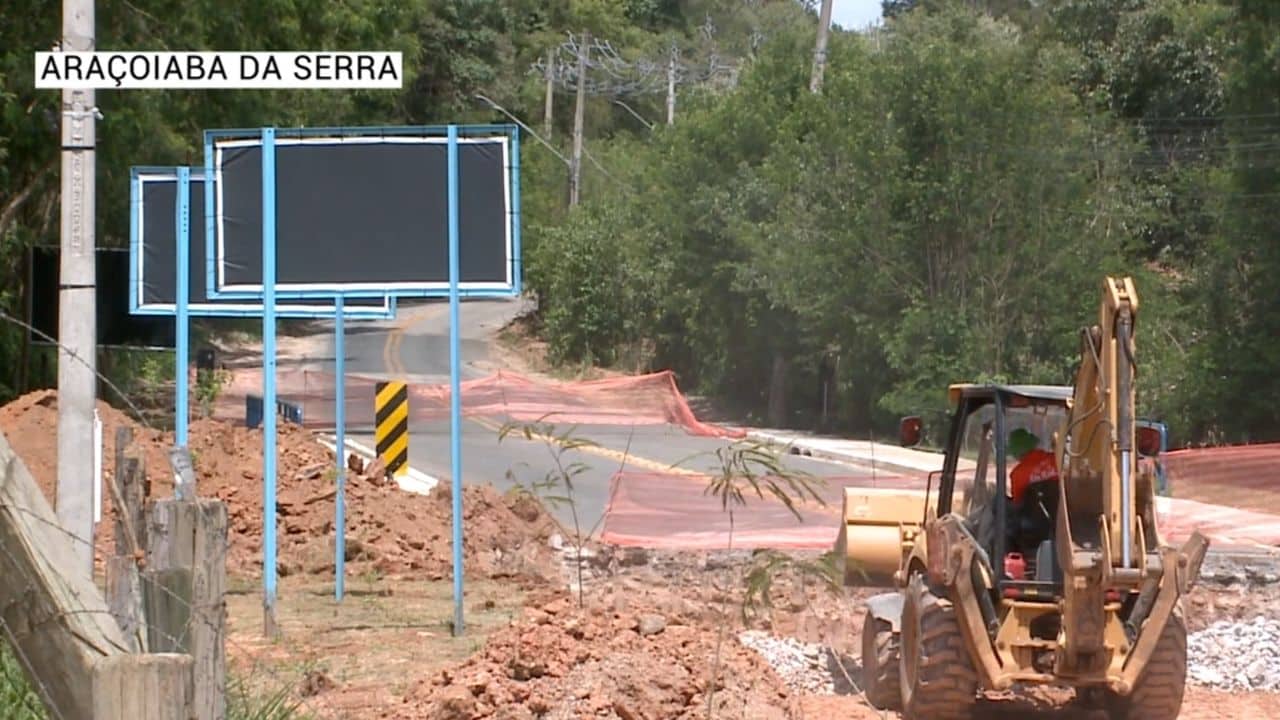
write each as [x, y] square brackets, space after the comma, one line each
[71, 353]
[196, 612]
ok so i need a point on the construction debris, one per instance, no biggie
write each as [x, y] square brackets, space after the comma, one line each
[563, 661]
[802, 666]
[1236, 655]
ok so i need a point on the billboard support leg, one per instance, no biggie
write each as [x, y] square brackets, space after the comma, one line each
[516, 267]
[269, 381]
[182, 339]
[455, 400]
[340, 430]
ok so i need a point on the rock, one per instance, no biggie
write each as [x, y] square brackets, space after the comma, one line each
[1236, 655]
[522, 668]
[634, 557]
[455, 703]
[513, 712]
[652, 625]
[315, 683]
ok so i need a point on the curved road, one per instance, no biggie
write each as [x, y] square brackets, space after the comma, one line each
[416, 347]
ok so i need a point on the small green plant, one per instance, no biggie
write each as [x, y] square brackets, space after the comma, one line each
[247, 702]
[18, 701]
[744, 469]
[209, 385]
[556, 488]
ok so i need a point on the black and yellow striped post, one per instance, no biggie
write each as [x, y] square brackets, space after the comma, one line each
[391, 408]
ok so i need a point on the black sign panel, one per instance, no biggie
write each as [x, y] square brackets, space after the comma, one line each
[366, 213]
[156, 241]
[115, 325]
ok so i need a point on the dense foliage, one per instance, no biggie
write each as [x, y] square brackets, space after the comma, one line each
[944, 210]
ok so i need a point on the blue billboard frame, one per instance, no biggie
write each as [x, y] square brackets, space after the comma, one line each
[512, 133]
[182, 312]
[269, 296]
[248, 308]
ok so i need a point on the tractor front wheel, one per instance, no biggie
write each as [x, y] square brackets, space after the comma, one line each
[937, 675]
[880, 663]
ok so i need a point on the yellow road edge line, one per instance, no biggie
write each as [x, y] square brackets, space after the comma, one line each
[624, 459]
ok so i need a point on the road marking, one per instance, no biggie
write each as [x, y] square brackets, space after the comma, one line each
[415, 482]
[391, 359]
[624, 459]
[395, 367]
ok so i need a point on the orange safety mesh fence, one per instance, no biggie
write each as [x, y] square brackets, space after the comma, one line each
[669, 511]
[1244, 476]
[652, 399]
[663, 510]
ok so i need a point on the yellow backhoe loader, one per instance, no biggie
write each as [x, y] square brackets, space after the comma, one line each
[1057, 575]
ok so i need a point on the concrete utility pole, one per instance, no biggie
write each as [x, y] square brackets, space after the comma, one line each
[77, 321]
[671, 88]
[551, 89]
[579, 111]
[820, 48]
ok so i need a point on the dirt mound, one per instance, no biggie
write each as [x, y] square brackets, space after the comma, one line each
[30, 424]
[389, 530]
[623, 656]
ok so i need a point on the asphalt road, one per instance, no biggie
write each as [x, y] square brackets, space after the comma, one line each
[416, 347]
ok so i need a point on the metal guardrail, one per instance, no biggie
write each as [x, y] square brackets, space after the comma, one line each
[291, 412]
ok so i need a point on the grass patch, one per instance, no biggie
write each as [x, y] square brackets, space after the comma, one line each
[18, 700]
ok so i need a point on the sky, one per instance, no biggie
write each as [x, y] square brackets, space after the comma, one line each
[855, 14]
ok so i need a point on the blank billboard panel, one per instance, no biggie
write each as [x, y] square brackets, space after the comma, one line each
[362, 214]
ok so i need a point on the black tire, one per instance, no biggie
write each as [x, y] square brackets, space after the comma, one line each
[880, 663]
[938, 680]
[1158, 693]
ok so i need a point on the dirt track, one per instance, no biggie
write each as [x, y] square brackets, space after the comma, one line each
[643, 646]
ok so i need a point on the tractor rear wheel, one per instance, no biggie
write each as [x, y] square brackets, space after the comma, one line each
[880, 663]
[937, 675]
[1158, 693]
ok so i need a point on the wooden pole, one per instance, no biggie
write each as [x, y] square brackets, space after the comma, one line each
[124, 583]
[143, 687]
[820, 48]
[50, 612]
[671, 88]
[579, 112]
[186, 582]
[549, 103]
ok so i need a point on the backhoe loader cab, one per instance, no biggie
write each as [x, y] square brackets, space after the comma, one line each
[1033, 556]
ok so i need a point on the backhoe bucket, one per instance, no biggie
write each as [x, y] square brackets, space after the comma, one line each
[878, 531]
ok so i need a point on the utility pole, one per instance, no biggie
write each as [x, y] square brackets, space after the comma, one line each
[77, 322]
[550, 104]
[671, 87]
[820, 48]
[579, 111]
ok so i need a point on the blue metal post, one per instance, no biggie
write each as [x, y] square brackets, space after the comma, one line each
[210, 222]
[182, 350]
[516, 265]
[269, 379]
[135, 252]
[455, 399]
[340, 429]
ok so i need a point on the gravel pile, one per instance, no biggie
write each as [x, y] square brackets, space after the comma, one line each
[1236, 655]
[802, 666]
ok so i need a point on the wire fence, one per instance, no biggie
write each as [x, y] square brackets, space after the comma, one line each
[79, 608]
[258, 666]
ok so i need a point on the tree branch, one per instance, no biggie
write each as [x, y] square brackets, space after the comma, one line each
[15, 203]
